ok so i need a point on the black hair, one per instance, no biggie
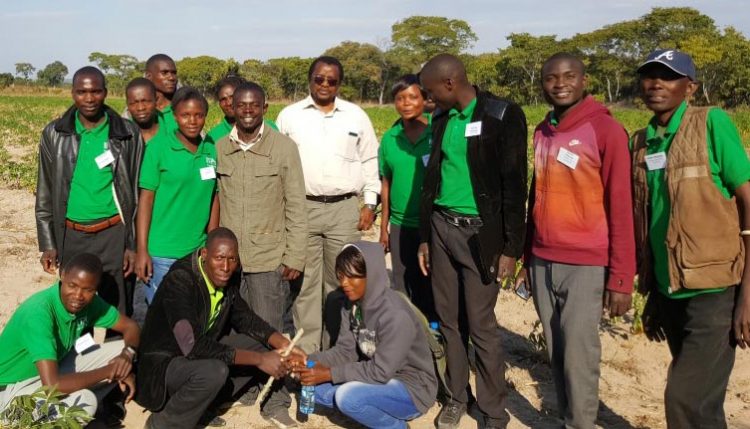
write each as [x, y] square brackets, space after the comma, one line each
[90, 71]
[250, 86]
[220, 233]
[158, 57]
[231, 80]
[187, 93]
[568, 57]
[406, 81]
[85, 262]
[325, 59]
[141, 82]
[351, 263]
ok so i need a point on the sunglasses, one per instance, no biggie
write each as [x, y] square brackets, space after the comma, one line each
[320, 79]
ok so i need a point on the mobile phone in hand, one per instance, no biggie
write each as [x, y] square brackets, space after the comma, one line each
[522, 291]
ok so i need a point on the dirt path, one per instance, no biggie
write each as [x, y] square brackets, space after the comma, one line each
[633, 370]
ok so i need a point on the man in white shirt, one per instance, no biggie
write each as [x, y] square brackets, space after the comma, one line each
[339, 151]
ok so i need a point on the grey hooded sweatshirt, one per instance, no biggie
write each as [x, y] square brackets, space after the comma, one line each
[388, 344]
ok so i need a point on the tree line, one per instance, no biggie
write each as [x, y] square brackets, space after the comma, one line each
[611, 54]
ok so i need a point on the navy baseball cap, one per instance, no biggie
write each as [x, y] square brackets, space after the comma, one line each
[677, 61]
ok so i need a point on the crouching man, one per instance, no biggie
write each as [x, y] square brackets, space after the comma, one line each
[188, 353]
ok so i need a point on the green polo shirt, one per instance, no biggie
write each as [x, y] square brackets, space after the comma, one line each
[166, 119]
[403, 163]
[224, 128]
[215, 295]
[182, 200]
[730, 168]
[456, 192]
[91, 195]
[42, 329]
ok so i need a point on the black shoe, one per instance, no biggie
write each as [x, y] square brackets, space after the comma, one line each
[450, 415]
[211, 420]
[495, 423]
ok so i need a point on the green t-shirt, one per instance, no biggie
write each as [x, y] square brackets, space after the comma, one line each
[730, 168]
[42, 329]
[223, 128]
[91, 194]
[184, 184]
[456, 192]
[403, 163]
[215, 295]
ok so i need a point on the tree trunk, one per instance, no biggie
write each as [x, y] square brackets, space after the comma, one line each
[609, 89]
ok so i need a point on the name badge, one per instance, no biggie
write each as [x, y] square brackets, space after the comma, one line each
[208, 173]
[104, 159]
[426, 159]
[84, 343]
[568, 158]
[473, 129]
[656, 161]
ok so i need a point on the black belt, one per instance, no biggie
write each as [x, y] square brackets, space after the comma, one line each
[2, 388]
[457, 219]
[328, 199]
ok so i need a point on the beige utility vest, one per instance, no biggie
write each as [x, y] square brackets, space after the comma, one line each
[704, 246]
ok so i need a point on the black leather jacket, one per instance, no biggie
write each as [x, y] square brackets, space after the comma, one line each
[498, 170]
[58, 152]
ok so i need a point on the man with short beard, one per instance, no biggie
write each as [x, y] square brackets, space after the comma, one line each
[140, 98]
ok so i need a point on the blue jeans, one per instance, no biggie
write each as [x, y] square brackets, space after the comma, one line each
[381, 406]
[161, 267]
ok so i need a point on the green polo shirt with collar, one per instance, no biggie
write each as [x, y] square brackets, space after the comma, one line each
[403, 163]
[167, 119]
[730, 168]
[223, 128]
[91, 194]
[182, 194]
[215, 295]
[456, 191]
[42, 329]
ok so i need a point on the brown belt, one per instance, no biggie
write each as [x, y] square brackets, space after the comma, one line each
[93, 228]
[328, 199]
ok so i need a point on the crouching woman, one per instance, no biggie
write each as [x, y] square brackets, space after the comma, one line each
[380, 372]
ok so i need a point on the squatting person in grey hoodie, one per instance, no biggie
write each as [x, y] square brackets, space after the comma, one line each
[380, 372]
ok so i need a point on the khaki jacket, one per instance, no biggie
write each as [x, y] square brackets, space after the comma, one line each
[262, 200]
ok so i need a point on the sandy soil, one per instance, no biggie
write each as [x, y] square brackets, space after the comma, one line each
[633, 370]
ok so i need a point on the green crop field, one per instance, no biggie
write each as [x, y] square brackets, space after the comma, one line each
[22, 118]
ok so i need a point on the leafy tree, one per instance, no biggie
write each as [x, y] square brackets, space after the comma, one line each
[25, 70]
[203, 72]
[416, 39]
[364, 69]
[6, 79]
[482, 71]
[521, 63]
[264, 75]
[119, 69]
[734, 69]
[292, 75]
[52, 74]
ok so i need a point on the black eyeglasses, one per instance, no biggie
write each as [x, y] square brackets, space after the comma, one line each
[320, 79]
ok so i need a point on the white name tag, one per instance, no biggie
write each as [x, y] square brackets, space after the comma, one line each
[656, 161]
[426, 159]
[567, 158]
[208, 173]
[473, 129]
[104, 159]
[84, 343]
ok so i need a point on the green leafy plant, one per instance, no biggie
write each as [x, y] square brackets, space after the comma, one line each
[43, 409]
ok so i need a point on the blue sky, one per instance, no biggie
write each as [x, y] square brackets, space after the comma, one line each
[41, 31]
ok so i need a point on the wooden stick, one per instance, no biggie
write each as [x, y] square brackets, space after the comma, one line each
[284, 353]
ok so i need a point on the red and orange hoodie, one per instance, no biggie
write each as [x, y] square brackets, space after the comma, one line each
[580, 205]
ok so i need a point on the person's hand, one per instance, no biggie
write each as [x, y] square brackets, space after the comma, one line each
[127, 386]
[144, 268]
[294, 363]
[366, 218]
[49, 261]
[741, 320]
[423, 256]
[522, 277]
[272, 364]
[289, 274]
[617, 303]
[128, 263]
[384, 240]
[122, 366]
[650, 318]
[313, 376]
[506, 268]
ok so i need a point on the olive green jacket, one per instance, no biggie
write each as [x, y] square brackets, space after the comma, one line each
[262, 200]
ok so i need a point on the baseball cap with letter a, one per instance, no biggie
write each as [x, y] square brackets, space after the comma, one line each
[679, 62]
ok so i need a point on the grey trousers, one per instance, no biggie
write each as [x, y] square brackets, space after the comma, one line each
[330, 227]
[88, 399]
[569, 299]
[266, 293]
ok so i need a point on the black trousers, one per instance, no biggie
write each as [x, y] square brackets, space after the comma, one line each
[698, 332]
[407, 277]
[460, 295]
[194, 385]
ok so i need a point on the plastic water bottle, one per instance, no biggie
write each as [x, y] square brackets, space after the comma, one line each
[307, 396]
[435, 328]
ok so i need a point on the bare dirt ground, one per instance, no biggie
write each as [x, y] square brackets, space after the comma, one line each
[632, 379]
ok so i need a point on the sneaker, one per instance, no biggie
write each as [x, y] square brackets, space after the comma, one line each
[450, 415]
[281, 419]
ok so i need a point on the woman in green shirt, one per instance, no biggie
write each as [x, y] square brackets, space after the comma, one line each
[178, 183]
